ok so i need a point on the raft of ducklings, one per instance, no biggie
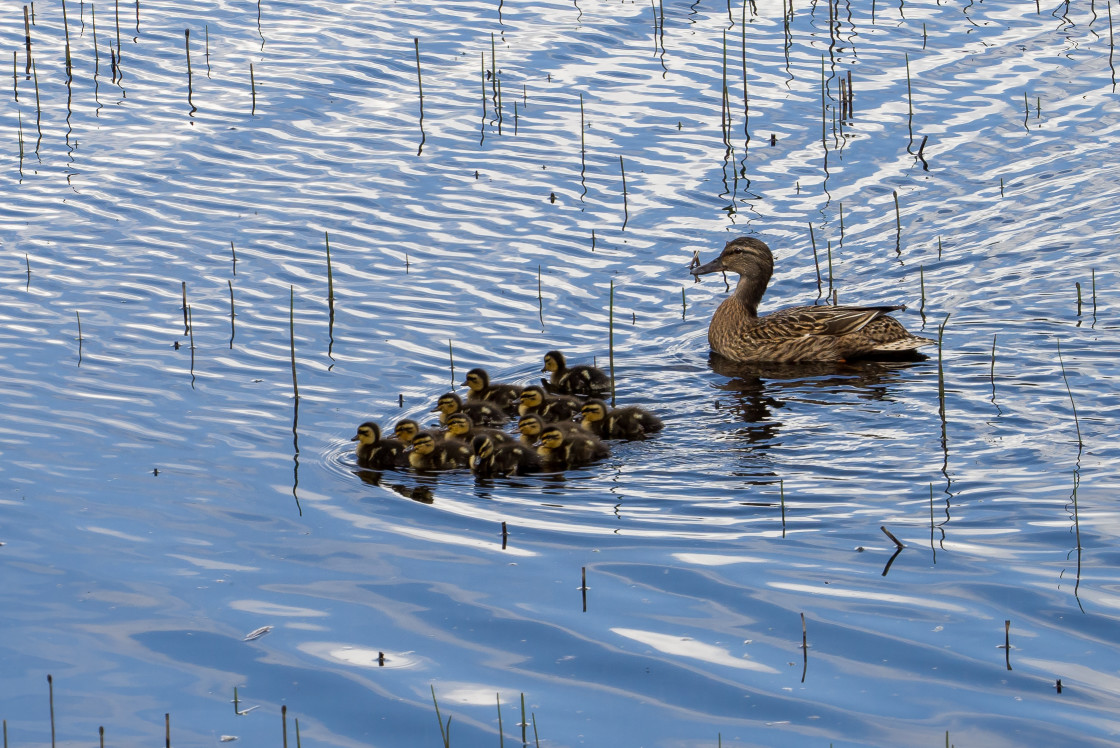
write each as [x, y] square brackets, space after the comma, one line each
[561, 424]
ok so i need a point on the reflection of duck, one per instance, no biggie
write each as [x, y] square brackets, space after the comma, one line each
[375, 452]
[531, 425]
[560, 450]
[575, 380]
[494, 459]
[549, 407]
[794, 334]
[630, 422]
[481, 413]
[430, 453]
[502, 395]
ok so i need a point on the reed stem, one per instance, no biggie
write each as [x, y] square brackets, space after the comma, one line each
[816, 261]
[419, 82]
[330, 274]
[253, 88]
[292, 337]
[50, 698]
[501, 736]
[444, 733]
[186, 323]
[625, 202]
[1069, 391]
[232, 315]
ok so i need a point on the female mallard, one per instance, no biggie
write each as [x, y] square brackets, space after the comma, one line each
[575, 380]
[503, 395]
[531, 425]
[492, 458]
[375, 452]
[429, 452]
[798, 333]
[560, 450]
[630, 422]
[549, 407]
[484, 414]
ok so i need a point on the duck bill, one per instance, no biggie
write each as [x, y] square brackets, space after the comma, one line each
[712, 267]
[354, 438]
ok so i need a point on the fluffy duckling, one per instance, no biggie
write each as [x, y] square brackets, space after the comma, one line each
[484, 414]
[575, 380]
[531, 425]
[494, 459]
[503, 395]
[549, 407]
[559, 450]
[406, 430]
[429, 452]
[375, 452]
[630, 422]
[462, 428]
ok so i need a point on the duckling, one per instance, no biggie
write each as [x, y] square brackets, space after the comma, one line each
[375, 452]
[462, 428]
[429, 452]
[531, 425]
[549, 407]
[630, 422]
[798, 333]
[484, 414]
[406, 429]
[492, 458]
[503, 395]
[559, 451]
[575, 380]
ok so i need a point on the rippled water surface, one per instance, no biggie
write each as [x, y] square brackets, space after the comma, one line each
[163, 493]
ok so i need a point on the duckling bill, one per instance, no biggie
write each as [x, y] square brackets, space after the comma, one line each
[794, 334]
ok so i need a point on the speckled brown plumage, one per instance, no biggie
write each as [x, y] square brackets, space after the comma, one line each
[794, 334]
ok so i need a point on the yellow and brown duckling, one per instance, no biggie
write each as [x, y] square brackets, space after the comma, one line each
[481, 389]
[794, 334]
[531, 425]
[429, 452]
[549, 407]
[484, 414]
[406, 430]
[375, 452]
[629, 422]
[575, 380]
[560, 450]
[492, 458]
[462, 428]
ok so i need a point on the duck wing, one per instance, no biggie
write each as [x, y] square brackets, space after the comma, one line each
[800, 321]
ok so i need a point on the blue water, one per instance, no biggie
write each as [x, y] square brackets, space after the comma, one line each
[157, 506]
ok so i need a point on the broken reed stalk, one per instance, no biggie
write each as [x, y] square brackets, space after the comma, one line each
[167, 729]
[524, 722]
[1007, 642]
[284, 723]
[189, 320]
[1069, 391]
[482, 60]
[897, 214]
[684, 303]
[50, 697]
[186, 324]
[992, 373]
[66, 32]
[38, 106]
[909, 93]
[501, 737]
[922, 283]
[190, 84]
[15, 75]
[890, 535]
[840, 215]
[233, 252]
[253, 88]
[829, 247]
[940, 369]
[96, 54]
[625, 202]
[1077, 285]
[582, 141]
[27, 36]
[816, 262]
[610, 338]
[1093, 277]
[782, 493]
[330, 274]
[444, 733]
[451, 358]
[292, 337]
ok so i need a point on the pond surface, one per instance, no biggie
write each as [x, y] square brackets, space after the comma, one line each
[163, 493]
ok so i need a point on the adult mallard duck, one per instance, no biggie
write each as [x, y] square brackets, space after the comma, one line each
[549, 407]
[480, 389]
[575, 380]
[484, 414]
[375, 452]
[429, 452]
[560, 450]
[798, 333]
[630, 422]
[494, 459]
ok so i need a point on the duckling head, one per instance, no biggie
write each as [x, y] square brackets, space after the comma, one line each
[368, 433]
[483, 447]
[406, 430]
[477, 380]
[531, 397]
[554, 361]
[448, 404]
[459, 424]
[530, 425]
[423, 443]
[593, 410]
[551, 438]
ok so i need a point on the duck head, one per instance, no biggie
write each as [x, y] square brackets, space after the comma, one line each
[368, 433]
